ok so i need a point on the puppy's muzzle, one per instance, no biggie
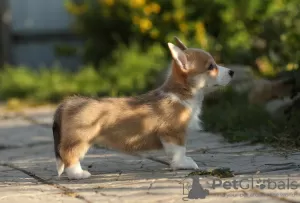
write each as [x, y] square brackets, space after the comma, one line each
[231, 73]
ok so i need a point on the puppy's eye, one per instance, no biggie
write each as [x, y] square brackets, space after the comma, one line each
[211, 67]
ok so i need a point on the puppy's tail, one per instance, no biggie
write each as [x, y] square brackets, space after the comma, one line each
[60, 166]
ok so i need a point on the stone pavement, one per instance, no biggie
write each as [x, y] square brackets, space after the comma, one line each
[28, 173]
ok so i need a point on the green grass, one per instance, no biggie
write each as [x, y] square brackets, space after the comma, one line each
[230, 114]
[218, 172]
[47, 84]
[130, 71]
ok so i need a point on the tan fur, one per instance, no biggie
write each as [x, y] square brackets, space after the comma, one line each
[265, 90]
[132, 123]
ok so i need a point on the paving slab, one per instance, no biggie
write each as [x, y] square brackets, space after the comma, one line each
[28, 172]
[15, 186]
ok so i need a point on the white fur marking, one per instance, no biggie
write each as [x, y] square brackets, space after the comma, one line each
[59, 166]
[223, 77]
[175, 98]
[76, 172]
[195, 105]
[273, 105]
[195, 122]
[177, 155]
[201, 83]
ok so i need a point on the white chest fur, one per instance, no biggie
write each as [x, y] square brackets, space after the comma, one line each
[195, 105]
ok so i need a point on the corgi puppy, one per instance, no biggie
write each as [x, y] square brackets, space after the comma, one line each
[264, 90]
[155, 120]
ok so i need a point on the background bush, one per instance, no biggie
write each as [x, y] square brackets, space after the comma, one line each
[125, 43]
[263, 34]
[126, 47]
[241, 121]
[129, 72]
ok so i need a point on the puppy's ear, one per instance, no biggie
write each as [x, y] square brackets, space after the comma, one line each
[178, 56]
[179, 43]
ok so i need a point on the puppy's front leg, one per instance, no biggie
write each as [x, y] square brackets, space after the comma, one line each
[177, 155]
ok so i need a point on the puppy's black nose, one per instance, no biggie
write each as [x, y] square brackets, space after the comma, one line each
[231, 73]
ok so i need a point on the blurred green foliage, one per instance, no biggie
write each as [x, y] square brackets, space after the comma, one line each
[126, 49]
[252, 124]
[129, 72]
[264, 34]
[237, 120]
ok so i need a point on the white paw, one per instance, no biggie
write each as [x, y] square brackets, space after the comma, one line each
[79, 174]
[86, 174]
[184, 163]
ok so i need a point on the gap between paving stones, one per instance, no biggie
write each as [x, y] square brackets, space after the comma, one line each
[66, 191]
[72, 193]
[283, 199]
[285, 166]
[274, 197]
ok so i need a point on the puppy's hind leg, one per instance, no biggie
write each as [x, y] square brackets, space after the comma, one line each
[71, 155]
